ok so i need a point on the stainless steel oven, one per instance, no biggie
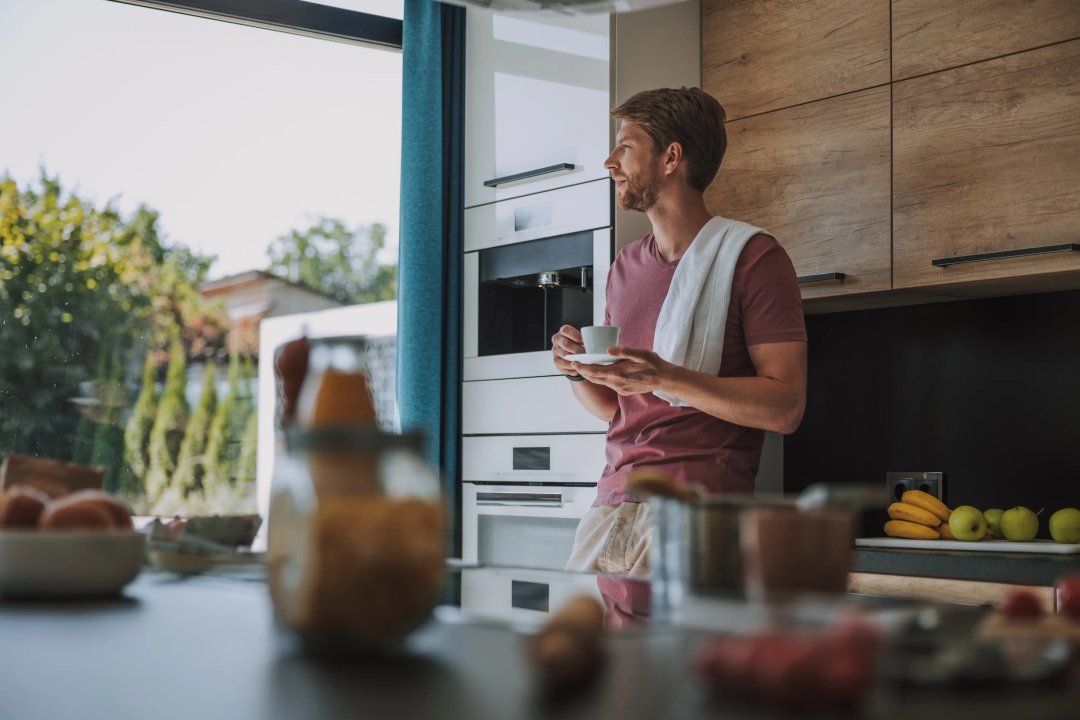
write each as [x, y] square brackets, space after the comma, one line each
[523, 495]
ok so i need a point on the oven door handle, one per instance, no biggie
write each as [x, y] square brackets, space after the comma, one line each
[519, 499]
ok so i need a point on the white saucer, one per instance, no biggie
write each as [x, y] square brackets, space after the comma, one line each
[593, 358]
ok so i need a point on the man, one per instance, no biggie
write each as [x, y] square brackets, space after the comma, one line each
[701, 428]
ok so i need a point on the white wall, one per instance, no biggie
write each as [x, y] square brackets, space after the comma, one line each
[372, 319]
[288, 299]
[652, 49]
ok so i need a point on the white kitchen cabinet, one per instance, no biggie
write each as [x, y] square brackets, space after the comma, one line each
[541, 215]
[521, 595]
[552, 459]
[524, 405]
[537, 96]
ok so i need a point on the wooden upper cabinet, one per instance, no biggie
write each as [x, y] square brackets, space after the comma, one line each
[932, 35]
[817, 177]
[987, 160]
[760, 56]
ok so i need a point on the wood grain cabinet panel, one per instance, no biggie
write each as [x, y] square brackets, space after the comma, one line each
[986, 158]
[759, 56]
[931, 35]
[817, 176]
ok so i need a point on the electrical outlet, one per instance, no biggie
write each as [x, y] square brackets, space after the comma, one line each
[929, 482]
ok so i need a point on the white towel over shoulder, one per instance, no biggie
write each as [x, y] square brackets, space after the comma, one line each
[690, 327]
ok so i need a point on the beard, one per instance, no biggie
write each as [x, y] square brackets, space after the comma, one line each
[641, 192]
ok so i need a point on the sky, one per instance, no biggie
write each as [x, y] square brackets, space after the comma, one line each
[236, 135]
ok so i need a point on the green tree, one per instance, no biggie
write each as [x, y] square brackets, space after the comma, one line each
[69, 291]
[81, 286]
[238, 496]
[190, 464]
[245, 473]
[108, 442]
[100, 439]
[334, 259]
[83, 450]
[140, 423]
[168, 430]
[226, 432]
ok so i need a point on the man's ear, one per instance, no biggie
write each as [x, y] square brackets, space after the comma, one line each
[673, 157]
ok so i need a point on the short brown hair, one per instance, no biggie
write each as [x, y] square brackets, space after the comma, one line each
[688, 116]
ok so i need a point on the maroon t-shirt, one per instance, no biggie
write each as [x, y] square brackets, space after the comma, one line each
[693, 446]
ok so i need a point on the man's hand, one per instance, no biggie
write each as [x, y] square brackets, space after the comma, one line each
[639, 371]
[566, 342]
[774, 399]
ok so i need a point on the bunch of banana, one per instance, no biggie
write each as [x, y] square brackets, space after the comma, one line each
[918, 515]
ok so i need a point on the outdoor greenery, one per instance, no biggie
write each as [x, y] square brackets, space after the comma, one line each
[190, 468]
[100, 319]
[222, 457]
[74, 283]
[339, 261]
[86, 296]
[140, 422]
[168, 430]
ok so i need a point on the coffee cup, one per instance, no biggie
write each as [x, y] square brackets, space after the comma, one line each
[598, 338]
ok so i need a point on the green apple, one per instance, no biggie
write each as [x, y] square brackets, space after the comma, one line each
[967, 523]
[1019, 524]
[993, 520]
[1065, 525]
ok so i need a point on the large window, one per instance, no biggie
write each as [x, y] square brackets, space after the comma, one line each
[166, 182]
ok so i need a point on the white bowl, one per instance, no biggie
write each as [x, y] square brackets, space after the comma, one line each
[52, 563]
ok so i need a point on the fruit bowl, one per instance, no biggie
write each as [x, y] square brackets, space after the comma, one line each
[37, 563]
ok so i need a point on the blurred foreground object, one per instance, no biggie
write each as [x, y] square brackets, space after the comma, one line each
[568, 651]
[356, 537]
[50, 476]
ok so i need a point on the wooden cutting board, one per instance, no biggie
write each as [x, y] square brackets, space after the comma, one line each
[1044, 547]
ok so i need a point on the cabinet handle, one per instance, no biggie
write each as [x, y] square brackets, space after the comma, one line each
[822, 277]
[529, 174]
[512, 499]
[999, 254]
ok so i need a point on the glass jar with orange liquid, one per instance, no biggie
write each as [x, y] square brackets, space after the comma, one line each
[336, 389]
[356, 547]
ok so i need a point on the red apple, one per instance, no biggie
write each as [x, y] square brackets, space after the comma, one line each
[1021, 604]
[1068, 595]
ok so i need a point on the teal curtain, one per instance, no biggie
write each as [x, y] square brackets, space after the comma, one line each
[431, 238]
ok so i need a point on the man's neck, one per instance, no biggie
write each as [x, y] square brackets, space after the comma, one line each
[676, 224]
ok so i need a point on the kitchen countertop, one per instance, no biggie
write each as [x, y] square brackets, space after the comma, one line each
[207, 647]
[1016, 568]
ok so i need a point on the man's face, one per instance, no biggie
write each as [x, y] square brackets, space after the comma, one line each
[633, 166]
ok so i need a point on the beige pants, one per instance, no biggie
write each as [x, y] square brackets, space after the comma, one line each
[613, 540]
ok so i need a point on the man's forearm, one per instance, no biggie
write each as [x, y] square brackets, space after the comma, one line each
[758, 402]
[598, 400]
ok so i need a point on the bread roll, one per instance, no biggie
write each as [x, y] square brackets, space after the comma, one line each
[21, 507]
[84, 514]
[119, 513]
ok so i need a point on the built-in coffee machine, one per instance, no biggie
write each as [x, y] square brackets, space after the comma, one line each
[528, 290]
[532, 265]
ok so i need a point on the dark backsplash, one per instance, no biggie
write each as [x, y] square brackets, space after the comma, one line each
[987, 391]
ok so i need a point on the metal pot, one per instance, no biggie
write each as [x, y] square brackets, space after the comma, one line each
[699, 547]
[696, 548]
